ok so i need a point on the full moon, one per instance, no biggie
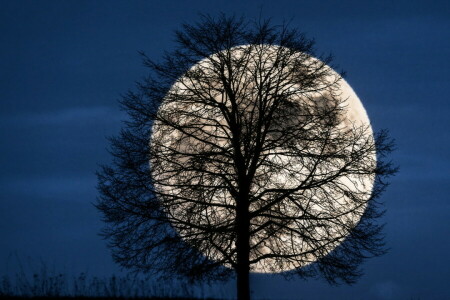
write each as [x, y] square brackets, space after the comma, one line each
[292, 171]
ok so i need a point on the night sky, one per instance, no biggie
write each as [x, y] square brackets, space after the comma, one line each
[64, 65]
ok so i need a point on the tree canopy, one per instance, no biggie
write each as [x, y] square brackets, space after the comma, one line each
[244, 151]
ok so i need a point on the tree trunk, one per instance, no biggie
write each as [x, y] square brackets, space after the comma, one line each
[243, 283]
[243, 250]
[242, 225]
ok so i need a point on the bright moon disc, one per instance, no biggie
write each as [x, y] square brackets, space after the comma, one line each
[307, 240]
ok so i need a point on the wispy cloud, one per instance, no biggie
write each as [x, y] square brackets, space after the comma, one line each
[65, 116]
[50, 186]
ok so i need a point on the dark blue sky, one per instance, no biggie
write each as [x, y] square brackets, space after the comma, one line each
[64, 65]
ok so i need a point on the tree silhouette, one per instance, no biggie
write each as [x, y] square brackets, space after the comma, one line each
[240, 154]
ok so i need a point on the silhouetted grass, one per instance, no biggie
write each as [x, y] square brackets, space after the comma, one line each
[45, 285]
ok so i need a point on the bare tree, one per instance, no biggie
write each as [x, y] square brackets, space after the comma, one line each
[240, 154]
